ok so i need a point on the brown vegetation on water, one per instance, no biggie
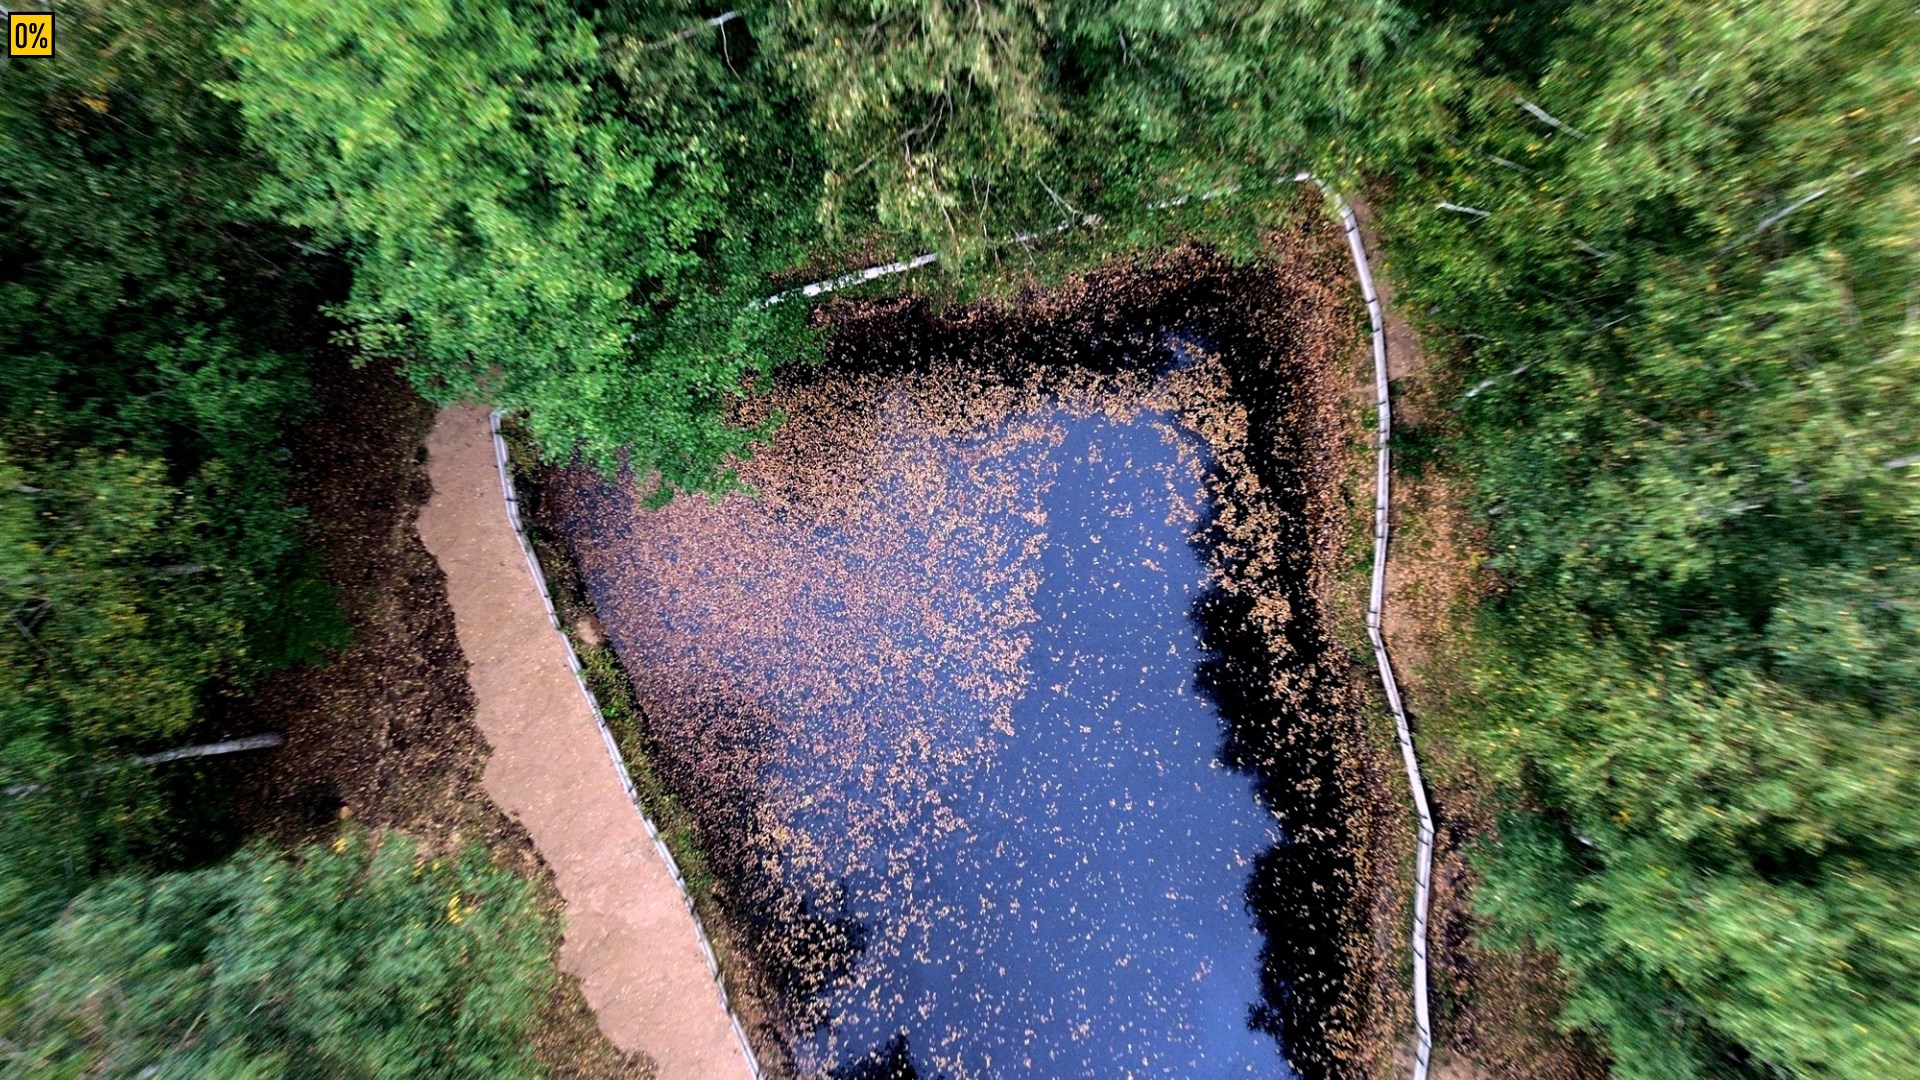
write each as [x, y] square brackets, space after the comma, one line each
[860, 457]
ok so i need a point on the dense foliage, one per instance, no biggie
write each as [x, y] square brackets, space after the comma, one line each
[1667, 250]
[956, 127]
[156, 342]
[361, 959]
[577, 214]
[579, 231]
[148, 556]
[1684, 315]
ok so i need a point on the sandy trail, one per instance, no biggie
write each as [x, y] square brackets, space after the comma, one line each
[629, 938]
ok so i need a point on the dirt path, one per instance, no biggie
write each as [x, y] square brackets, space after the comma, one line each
[629, 938]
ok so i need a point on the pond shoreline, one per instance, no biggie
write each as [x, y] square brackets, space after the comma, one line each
[1284, 331]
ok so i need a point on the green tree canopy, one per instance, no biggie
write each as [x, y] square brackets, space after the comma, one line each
[957, 126]
[521, 230]
[1667, 250]
[1682, 295]
[152, 355]
[363, 959]
[578, 216]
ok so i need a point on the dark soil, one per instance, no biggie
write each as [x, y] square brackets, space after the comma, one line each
[383, 735]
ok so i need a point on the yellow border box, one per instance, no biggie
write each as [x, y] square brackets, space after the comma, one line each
[25, 29]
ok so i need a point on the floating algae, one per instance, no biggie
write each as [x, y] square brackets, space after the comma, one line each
[942, 684]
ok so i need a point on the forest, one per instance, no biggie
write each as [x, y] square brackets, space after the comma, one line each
[1665, 254]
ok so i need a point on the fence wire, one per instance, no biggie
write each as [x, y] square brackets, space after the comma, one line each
[1376, 603]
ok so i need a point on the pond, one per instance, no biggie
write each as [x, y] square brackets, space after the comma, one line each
[942, 690]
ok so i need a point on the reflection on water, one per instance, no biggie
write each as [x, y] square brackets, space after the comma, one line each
[951, 696]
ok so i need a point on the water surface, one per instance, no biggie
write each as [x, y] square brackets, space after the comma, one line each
[942, 675]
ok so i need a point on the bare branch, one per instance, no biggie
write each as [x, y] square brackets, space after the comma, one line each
[716, 21]
[265, 741]
[1064, 204]
[1545, 117]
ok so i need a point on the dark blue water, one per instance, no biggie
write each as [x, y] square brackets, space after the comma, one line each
[997, 765]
